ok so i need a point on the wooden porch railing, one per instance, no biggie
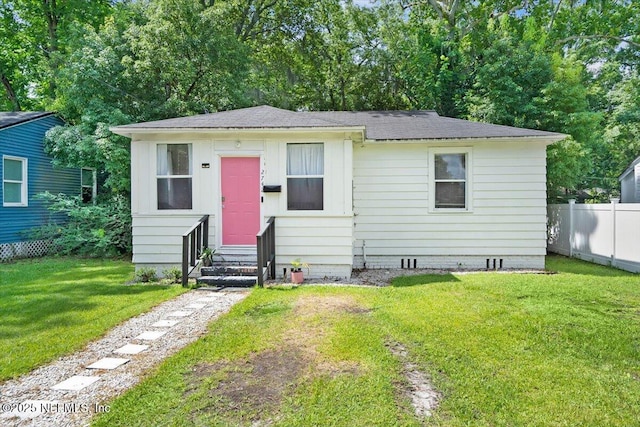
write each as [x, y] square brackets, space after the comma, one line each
[266, 245]
[193, 242]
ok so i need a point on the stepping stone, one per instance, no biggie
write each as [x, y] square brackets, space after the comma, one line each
[151, 335]
[196, 306]
[131, 349]
[108, 363]
[180, 313]
[75, 383]
[30, 409]
[165, 323]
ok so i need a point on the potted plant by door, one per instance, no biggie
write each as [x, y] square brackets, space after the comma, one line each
[207, 257]
[296, 271]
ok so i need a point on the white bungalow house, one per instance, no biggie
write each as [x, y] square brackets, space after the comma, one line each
[374, 189]
[630, 183]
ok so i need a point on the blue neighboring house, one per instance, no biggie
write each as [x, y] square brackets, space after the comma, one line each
[26, 171]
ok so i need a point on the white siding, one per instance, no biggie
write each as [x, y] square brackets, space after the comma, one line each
[386, 186]
[630, 186]
[157, 239]
[322, 239]
[507, 220]
[325, 243]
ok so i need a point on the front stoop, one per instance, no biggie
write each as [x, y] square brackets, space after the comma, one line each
[229, 275]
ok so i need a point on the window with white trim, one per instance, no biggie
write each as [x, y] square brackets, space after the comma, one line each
[305, 177]
[14, 181]
[89, 187]
[450, 183]
[174, 176]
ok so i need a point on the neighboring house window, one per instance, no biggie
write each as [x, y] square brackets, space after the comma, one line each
[14, 181]
[305, 177]
[89, 185]
[450, 184]
[174, 176]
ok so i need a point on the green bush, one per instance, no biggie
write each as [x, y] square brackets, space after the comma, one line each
[76, 228]
[146, 274]
[173, 274]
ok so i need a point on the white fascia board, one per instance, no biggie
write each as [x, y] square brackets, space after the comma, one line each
[624, 174]
[630, 169]
[129, 132]
[547, 140]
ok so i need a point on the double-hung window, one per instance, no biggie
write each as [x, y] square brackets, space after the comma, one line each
[14, 181]
[174, 176]
[305, 177]
[450, 183]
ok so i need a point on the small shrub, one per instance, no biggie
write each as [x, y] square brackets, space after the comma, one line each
[146, 274]
[173, 274]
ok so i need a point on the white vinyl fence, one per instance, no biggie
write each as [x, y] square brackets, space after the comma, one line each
[606, 234]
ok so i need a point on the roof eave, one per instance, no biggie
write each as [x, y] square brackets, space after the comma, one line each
[129, 132]
[546, 139]
[30, 119]
[630, 169]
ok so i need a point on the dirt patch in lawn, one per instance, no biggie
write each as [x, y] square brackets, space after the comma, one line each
[312, 305]
[252, 390]
[417, 387]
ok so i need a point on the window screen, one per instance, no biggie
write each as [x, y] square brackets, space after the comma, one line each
[305, 177]
[450, 181]
[14, 183]
[174, 176]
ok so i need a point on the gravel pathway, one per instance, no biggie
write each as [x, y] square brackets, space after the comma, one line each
[31, 401]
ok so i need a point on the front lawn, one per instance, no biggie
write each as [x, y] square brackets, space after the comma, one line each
[53, 306]
[502, 349]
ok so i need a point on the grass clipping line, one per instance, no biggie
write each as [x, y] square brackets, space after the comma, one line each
[254, 388]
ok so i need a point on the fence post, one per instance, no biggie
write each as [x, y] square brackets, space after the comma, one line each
[614, 202]
[572, 203]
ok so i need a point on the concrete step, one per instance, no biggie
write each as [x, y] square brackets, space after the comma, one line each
[233, 258]
[230, 270]
[228, 281]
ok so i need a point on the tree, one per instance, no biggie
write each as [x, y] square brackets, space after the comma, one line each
[171, 59]
[621, 141]
[510, 79]
[327, 55]
[36, 35]
[15, 59]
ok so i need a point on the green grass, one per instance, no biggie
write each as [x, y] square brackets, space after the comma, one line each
[53, 306]
[503, 349]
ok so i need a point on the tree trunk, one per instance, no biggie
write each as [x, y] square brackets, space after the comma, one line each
[50, 9]
[11, 94]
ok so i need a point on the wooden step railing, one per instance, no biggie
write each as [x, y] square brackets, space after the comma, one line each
[266, 246]
[193, 242]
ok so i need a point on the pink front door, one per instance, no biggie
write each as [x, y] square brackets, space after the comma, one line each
[240, 178]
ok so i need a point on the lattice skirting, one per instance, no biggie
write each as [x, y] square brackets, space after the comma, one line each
[34, 248]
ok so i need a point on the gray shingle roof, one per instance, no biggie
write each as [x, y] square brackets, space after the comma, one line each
[379, 125]
[16, 117]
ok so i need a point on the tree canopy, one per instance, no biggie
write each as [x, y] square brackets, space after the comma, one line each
[560, 65]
